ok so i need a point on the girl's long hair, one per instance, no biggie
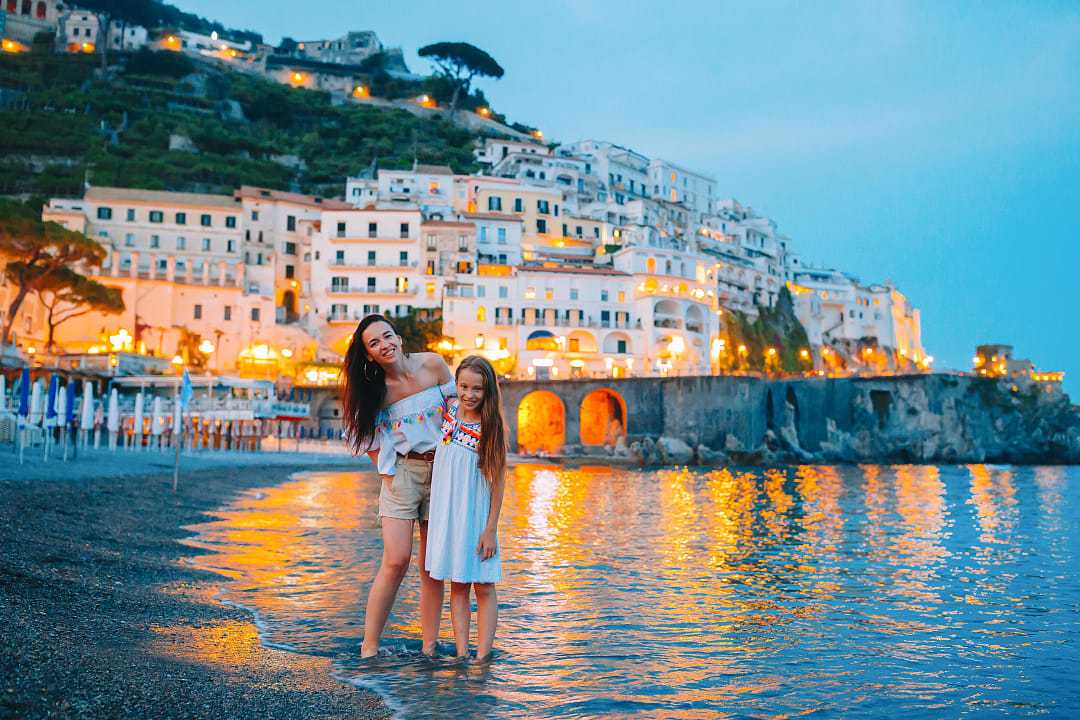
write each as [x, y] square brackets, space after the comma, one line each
[363, 389]
[492, 446]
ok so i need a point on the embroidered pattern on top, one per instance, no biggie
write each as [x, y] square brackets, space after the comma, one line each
[467, 435]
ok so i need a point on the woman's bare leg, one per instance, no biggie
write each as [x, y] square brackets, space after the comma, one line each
[431, 599]
[487, 617]
[397, 550]
[459, 616]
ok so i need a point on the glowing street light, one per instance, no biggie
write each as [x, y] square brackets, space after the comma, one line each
[206, 347]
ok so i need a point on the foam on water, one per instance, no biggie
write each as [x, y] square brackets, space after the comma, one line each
[853, 591]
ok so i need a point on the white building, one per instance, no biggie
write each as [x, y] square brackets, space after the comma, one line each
[367, 261]
[491, 150]
[23, 19]
[677, 184]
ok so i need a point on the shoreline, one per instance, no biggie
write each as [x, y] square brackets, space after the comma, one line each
[102, 619]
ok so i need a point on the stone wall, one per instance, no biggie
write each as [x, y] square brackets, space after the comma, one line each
[907, 418]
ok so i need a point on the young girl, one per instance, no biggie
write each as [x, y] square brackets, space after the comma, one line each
[466, 497]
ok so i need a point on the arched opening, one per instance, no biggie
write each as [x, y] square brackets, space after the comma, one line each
[666, 314]
[581, 341]
[695, 319]
[603, 418]
[541, 340]
[288, 301]
[617, 343]
[41, 11]
[650, 265]
[541, 424]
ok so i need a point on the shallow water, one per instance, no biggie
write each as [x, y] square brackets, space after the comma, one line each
[851, 591]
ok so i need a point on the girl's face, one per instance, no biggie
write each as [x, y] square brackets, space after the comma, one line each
[470, 389]
[381, 343]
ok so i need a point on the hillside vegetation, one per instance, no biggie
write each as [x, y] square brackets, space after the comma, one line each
[64, 122]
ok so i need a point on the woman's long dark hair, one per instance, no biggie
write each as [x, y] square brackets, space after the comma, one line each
[492, 446]
[363, 389]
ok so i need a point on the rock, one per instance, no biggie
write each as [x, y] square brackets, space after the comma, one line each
[673, 451]
[182, 143]
[732, 444]
[708, 456]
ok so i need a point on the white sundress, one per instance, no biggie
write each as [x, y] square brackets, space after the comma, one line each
[460, 501]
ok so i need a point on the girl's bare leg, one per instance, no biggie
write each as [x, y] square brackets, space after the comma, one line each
[459, 616]
[431, 599]
[397, 549]
[487, 617]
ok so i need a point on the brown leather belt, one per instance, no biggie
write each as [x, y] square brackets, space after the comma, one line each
[428, 456]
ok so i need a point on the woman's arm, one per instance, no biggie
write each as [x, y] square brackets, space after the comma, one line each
[489, 541]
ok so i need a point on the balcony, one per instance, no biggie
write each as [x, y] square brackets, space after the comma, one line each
[377, 267]
[372, 290]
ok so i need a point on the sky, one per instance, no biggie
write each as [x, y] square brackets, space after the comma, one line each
[933, 144]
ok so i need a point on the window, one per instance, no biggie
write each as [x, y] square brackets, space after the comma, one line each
[254, 314]
[430, 269]
[429, 289]
[483, 234]
[603, 296]
[403, 258]
[404, 230]
[543, 207]
[181, 243]
[503, 292]
[372, 229]
[206, 244]
[401, 284]
[104, 213]
[205, 220]
[519, 205]
[495, 203]
[254, 214]
[181, 218]
[339, 257]
[198, 311]
[230, 221]
[481, 313]
[605, 318]
[339, 283]
[290, 223]
[341, 229]
[541, 226]
[622, 296]
[230, 246]
[371, 284]
[565, 230]
[530, 293]
[370, 257]
[290, 248]
[464, 266]
[549, 294]
[155, 241]
[290, 272]
[501, 236]
[574, 345]
[573, 293]
[620, 347]
[131, 215]
[502, 258]
[463, 243]
[481, 291]
[129, 240]
[228, 313]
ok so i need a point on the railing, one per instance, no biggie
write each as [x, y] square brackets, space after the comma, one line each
[371, 290]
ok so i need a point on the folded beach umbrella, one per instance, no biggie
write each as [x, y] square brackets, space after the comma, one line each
[87, 419]
[69, 406]
[155, 419]
[24, 393]
[113, 420]
[35, 403]
[50, 402]
[60, 412]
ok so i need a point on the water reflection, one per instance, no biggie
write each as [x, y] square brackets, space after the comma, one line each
[838, 590]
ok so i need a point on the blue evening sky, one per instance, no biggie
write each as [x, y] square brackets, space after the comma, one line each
[934, 144]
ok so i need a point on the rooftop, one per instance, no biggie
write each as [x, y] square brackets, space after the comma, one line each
[258, 193]
[161, 197]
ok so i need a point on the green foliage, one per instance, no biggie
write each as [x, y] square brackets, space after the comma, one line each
[117, 132]
[417, 335]
[67, 294]
[458, 64]
[775, 327]
[154, 14]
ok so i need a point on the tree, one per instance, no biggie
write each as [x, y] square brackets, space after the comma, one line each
[66, 294]
[460, 62]
[418, 335]
[35, 250]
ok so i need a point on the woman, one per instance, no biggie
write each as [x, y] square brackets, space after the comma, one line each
[393, 405]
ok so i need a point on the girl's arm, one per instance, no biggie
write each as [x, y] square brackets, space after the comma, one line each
[489, 542]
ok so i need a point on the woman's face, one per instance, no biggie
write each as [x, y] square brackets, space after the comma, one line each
[470, 389]
[381, 343]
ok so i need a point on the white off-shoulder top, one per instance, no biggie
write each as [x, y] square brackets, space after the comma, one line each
[412, 424]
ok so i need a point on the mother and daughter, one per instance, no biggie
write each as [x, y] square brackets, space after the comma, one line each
[439, 443]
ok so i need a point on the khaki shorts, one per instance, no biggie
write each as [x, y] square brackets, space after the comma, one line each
[406, 497]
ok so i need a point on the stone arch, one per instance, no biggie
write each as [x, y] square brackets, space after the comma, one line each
[541, 423]
[611, 343]
[695, 318]
[666, 314]
[602, 417]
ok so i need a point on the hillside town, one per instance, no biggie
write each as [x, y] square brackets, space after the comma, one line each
[584, 259]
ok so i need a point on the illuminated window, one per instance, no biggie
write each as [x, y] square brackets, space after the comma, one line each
[549, 294]
[481, 314]
[622, 296]
[650, 265]
[430, 289]
[530, 293]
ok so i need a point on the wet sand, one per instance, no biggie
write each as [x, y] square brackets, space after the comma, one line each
[101, 620]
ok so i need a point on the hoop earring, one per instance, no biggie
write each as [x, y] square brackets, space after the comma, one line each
[367, 376]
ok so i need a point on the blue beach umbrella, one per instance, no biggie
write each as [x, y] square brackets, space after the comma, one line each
[70, 406]
[50, 404]
[24, 393]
